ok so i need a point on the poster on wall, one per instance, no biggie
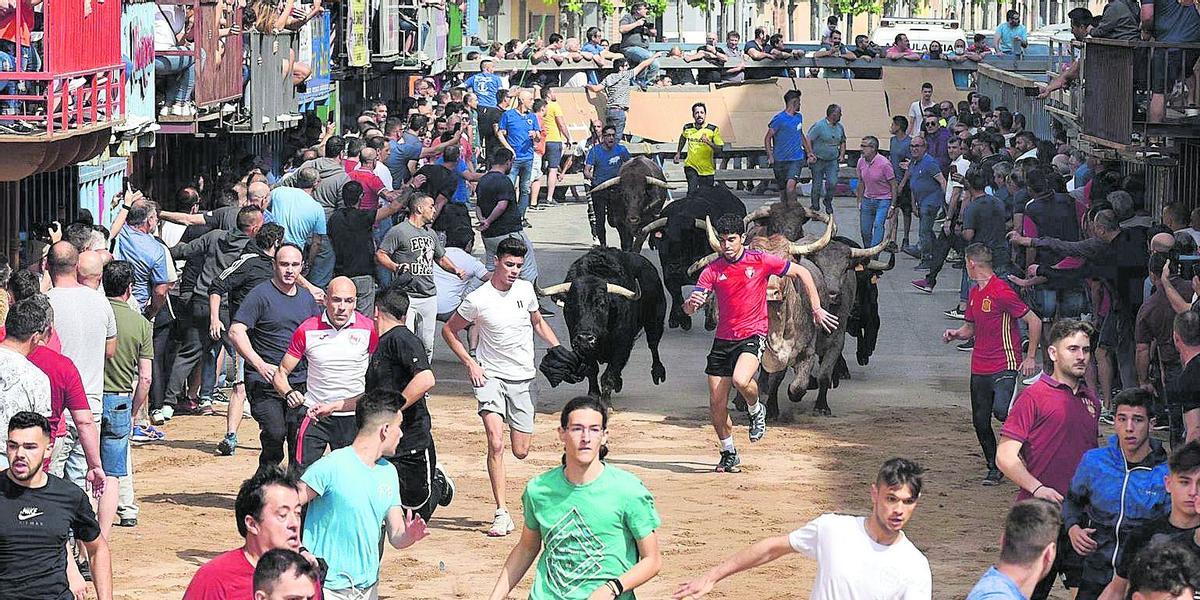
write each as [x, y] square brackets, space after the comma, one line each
[137, 51]
[358, 39]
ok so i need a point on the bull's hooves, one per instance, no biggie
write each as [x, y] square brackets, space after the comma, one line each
[821, 412]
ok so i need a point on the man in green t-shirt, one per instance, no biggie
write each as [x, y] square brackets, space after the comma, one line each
[126, 384]
[593, 523]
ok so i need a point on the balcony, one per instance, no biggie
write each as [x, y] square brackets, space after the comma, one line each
[217, 59]
[270, 100]
[1117, 108]
[59, 108]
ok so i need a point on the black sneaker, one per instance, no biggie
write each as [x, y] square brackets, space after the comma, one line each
[967, 346]
[127, 522]
[447, 486]
[993, 477]
[758, 424]
[730, 463]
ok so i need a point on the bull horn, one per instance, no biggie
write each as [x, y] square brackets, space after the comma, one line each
[761, 212]
[713, 241]
[874, 251]
[656, 181]
[820, 242]
[561, 288]
[605, 185]
[624, 292]
[875, 265]
[700, 264]
[651, 227]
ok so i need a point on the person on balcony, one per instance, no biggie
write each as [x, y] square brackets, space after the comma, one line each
[1169, 22]
[1117, 22]
[901, 50]
[1081, 26]
[16, 19]
[637, 31]
[173, 33]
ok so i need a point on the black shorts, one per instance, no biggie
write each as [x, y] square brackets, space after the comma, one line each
[904, 200]
[1168, 65]
[331, 432]
[725, 353]
[418, 490]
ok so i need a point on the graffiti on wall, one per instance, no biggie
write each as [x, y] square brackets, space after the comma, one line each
[137, 50]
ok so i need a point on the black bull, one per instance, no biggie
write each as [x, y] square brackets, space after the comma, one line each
[678, 233]
[609, 297]
[633, 198]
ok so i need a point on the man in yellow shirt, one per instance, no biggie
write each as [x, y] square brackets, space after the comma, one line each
[556, 137]
[703, 140]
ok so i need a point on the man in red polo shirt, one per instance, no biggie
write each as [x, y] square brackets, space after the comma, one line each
[993, 309]
[739, 278]
[268, 517]
[1051, 425]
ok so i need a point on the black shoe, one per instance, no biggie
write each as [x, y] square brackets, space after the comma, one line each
[127, 522]
[993, 477]
[447, 486]
[966, 346]
[730, 463]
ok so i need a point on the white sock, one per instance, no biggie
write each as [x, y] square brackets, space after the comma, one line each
[727, 445]
[754, 408]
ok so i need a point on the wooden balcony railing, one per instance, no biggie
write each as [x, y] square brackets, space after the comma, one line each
[218, 58]
[270, 100]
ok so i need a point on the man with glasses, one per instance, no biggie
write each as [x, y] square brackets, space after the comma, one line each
[937, 139]
[925, 179]
[603, 162]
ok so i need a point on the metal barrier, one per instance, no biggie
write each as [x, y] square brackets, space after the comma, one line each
[1136, 89]
[1107, 108]
[1017, 92]
[270, 97]
[100, 187]
[77, 85]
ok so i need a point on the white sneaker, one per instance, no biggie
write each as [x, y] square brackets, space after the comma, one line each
[162, 415]
[502, 524]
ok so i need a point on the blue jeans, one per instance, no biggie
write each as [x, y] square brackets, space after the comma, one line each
[824, 180]
[116, 423]
[522, 178]
[616, 118]
[871, 217]
[30, 61]
[321, 271]
[928, 214]
[180, 88]
[635, 55]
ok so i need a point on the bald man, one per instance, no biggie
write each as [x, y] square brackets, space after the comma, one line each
[91, 268]
[224, 218]
[1162, 242]
[337, 344]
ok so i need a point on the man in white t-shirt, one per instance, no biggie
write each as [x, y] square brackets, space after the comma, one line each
[858, 558]
[916, 112]
[450, 288]
[506, 314]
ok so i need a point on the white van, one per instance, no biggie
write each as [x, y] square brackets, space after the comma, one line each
[919, 31]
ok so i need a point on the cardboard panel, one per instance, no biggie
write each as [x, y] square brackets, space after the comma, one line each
[904, 87]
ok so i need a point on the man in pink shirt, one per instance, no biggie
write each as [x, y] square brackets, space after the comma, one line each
[739, 278]
[876, 189]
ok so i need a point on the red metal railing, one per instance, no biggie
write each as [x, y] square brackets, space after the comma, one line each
[79, 83]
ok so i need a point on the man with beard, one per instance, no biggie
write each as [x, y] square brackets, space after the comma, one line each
[857, 557]
[38, 514]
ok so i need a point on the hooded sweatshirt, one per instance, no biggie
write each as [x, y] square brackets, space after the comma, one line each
[217, 249]
[1116, 498]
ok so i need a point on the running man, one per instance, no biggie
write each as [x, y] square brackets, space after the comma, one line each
[343, 523]
[703, 140]
[336, 345]
[585, 508]
[857, 557]
[993, 309]
[400, 365]
[739, 278]
[505, 310]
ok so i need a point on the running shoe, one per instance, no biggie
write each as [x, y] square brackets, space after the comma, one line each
[228, 445]
[187, 406]
[448, 488]
[204, 407]
[730, 463]
[142, 433]
[162, 415]
[955, 313]
[1106, 416]
[922, 285]
[758, 424]
[966, 346]
[912, 250]
[502, 524]
[1032, 379]
[993, 477]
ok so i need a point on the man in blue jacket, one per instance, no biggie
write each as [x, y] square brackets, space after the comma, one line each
[1116, 490]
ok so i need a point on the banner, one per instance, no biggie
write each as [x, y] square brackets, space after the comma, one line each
[358, 39]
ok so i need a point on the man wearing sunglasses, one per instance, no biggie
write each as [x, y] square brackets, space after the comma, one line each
[938, 139]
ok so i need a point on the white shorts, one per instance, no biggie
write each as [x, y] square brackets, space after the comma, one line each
[512, 400]
[371, 593]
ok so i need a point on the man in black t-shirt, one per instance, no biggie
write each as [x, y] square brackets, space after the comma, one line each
[399, 364]
[38, 514]
[1186, 393]
[350, 231]
[496, 202]
[440, 184]
[1183, 484]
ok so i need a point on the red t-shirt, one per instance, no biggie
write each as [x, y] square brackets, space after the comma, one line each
[229, 576]
[741, 288]
[66, 387]
[372, 185]
[1055, 426]
[994, 310]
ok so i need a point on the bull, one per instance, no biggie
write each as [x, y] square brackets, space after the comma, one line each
[678, 233]
[634, 197]
[608, 298]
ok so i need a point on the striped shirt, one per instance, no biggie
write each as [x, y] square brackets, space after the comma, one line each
[337, 358]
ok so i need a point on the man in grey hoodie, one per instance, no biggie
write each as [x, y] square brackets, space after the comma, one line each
[218, 250]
